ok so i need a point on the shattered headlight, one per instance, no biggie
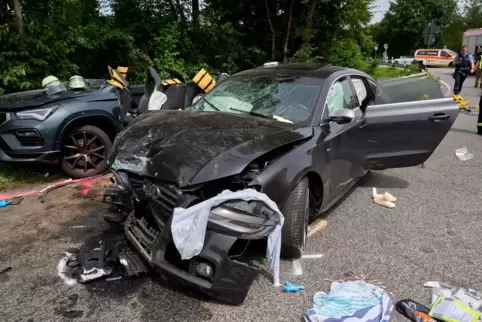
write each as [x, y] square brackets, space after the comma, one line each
[242, 219]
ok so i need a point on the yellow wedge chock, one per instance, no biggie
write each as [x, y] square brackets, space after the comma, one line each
[463, 105]
[171, 82]
[122, 70]
[205, 81]
[116, 77]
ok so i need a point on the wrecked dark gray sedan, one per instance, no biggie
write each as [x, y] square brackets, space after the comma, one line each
[303, 134]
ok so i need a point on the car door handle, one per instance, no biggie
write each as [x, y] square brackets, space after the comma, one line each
[439, 117]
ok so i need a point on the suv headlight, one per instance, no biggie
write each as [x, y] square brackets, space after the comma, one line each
[39, 114]
[241, 219]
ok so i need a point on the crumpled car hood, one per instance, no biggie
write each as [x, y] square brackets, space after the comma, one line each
[190, 147]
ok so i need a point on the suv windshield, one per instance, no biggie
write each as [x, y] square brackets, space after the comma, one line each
[286, 99]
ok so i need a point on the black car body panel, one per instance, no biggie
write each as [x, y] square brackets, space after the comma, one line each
[190, 156]
[225, 144]
[71, 107]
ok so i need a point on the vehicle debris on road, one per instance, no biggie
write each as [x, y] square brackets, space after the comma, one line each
[12, 202]
[291, 288]
[448, 303]
[357, 300]
[463, 154]
[111, 257]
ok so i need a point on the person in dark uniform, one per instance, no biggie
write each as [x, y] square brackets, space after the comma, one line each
[464, 62]
[477, 58]
[479, 120]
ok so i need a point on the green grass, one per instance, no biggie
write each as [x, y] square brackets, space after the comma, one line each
[389, 72]
[17, 176]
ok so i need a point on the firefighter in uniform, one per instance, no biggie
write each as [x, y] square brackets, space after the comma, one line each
[464, 62]
[479, 120]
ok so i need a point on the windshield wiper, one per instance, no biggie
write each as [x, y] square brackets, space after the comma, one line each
[251, 112]
[209, 103]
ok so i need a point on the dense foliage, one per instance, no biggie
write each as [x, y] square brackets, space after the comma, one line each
[67, 37]
[402, 27]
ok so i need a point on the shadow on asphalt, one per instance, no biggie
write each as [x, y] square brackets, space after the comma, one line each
[383, 181]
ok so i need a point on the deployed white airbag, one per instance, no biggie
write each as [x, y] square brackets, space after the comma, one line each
[189, 226]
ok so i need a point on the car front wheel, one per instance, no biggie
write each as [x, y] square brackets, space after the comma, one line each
[296, 213]
[85, 151]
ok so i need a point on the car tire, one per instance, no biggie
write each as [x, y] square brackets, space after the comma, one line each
[75, 155]
[451, 64]
[296, 213]
[396, 62]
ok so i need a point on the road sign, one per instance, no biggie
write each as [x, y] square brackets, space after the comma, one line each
[429, 33]
[385, 46]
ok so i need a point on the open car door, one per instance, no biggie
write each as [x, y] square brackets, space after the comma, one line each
[406, 134]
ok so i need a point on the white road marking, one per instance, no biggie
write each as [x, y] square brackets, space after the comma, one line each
[447, 86]
[297, 270]
[310, 256]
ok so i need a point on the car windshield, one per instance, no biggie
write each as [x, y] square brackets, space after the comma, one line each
[286, 99]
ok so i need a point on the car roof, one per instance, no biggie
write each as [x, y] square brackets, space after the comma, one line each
[317, 70]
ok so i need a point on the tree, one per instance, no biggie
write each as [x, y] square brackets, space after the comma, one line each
[403, 25]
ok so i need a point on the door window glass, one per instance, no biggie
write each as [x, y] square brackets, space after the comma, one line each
[341, 96]
[360, 89]
[444, 54]
[432, 53]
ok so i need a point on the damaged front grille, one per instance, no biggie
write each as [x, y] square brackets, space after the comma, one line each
[137, 184]
[163, 199]
[144, 234]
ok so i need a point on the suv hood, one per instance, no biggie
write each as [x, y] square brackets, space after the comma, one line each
[37, 98]
[191, 147]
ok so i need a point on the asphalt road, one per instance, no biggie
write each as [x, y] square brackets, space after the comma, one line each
[432, 234]
[469, 91]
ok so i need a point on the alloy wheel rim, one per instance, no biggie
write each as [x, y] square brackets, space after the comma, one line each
[85, 152]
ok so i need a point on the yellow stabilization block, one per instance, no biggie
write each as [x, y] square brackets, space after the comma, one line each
[463, 105]
[205, 81]
[171, 82]
[115, 79]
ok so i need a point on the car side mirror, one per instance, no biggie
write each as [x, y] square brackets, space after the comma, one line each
[342, 116]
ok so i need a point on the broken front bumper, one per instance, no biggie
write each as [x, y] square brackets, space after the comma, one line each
[213, 271]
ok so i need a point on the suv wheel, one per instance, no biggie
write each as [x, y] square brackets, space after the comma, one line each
[85, 151]
[296, 211]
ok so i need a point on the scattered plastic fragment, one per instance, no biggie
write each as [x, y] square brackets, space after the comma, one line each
[291, 288]
[385, 200]
[4, 203]
[463, 154]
